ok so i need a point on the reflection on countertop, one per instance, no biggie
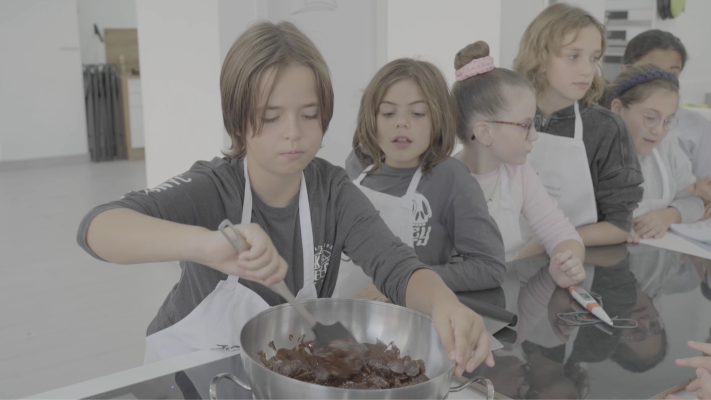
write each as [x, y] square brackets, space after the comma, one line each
[666, 292]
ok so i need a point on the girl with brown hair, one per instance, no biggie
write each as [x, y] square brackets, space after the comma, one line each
[647, 98]
[406, 131]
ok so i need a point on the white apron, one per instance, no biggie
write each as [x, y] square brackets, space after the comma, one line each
[398, 216]
[218, 320]
[647, 205]
[562, 165]
[506, 216]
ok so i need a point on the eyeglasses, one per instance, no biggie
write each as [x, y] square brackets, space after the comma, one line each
[656, 326]
[527, 127]
[651, 120]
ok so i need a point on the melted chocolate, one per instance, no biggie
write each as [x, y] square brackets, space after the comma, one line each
[346, 364]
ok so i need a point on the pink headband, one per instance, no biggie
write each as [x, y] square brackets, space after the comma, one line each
[475, 67]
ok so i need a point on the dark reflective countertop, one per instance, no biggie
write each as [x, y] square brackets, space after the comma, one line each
[666, 292]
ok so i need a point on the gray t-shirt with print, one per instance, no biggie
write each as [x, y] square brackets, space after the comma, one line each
[453, 232]
[343, 221]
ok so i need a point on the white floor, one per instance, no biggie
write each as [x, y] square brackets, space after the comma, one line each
[66, 317]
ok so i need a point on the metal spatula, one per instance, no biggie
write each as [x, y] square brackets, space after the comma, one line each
[323, 333]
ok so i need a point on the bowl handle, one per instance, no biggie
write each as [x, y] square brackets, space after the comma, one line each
[216, 380]
[478, 379]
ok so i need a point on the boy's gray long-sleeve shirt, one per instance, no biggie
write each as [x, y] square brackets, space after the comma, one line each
[614, 168]
[343, 221]
[450, 217]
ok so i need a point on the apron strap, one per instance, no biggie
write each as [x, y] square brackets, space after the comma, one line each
[666, 189]
[247, 201]
[363, 175]
[578, 123]
[414, 182]
[410, 189]
[307, 235]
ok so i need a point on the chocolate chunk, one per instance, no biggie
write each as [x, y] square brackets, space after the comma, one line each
[397, 366]
[291, 368]
[383, 371]
[412, 368]
[347, 364]
[422, 366]
[378, 382]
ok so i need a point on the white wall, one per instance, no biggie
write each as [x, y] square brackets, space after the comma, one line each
[106, 14]
[694, 30]
[179, 48]
[516, 15]
[436, 30]
[344, 32]
[235, 16]
[594, 7]
[41, 86]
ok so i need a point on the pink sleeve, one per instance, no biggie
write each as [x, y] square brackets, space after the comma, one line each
[542, 212]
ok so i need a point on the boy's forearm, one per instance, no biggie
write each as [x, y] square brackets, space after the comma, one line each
[602, 234]
[425, 289]
[124, 236]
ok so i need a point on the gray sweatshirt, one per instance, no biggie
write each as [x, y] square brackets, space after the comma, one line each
[454, 219]
[343, 221]
[694, 133]
[614, 168]
[678, 167]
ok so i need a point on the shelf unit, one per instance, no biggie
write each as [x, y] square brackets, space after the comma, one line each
[624, 19]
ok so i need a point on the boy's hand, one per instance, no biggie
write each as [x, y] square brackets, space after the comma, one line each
[566, 269]
[261, 263]
[461, 331]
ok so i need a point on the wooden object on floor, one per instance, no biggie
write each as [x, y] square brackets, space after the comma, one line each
[122, 50]
[134, 153]
[122, 42]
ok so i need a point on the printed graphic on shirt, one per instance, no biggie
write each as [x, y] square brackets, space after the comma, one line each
[421, 214]
[322, 257]
[176, 181]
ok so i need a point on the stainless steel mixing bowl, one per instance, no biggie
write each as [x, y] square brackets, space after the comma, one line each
[368, 321]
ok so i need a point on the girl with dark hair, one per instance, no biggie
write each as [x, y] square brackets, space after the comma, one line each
[647, 99]
[693, 131]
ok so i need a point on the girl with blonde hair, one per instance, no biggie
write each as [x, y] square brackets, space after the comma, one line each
[583, 155]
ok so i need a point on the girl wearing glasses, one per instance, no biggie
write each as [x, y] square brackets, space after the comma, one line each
[647, 98]
[584, 155]
[404, 135]
[693, 130]
[495, 125]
